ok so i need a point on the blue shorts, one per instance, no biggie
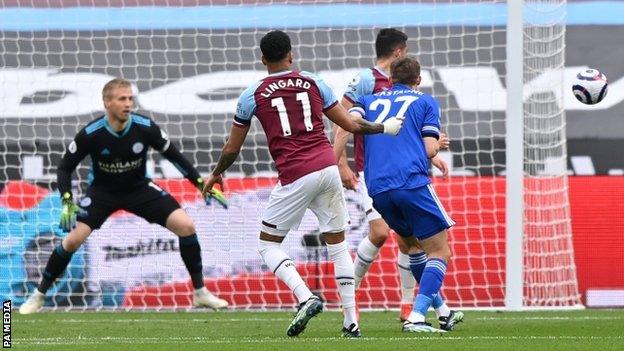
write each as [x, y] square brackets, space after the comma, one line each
[413, 212]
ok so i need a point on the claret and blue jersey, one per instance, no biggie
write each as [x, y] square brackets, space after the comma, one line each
[398, 162]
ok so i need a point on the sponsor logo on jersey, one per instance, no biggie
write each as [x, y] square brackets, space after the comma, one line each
[120, 166]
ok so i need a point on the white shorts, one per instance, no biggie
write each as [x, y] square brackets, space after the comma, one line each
[366, 201]
[320, 191]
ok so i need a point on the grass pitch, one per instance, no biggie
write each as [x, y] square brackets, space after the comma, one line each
[527, 331]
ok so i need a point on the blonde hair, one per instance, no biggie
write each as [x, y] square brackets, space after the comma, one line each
[113, 84]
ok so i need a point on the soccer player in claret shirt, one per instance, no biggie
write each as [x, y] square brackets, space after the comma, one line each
[289, 105]
[390, 45]
[118, 143]
[396, 172]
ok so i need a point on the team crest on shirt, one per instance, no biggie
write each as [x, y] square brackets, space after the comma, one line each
[354, 82]
[85, 202]
[137, 147]
[72, 147]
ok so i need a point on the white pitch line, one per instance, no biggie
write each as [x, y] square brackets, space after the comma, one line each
[540, 318]
[205, 340]
[176, 320]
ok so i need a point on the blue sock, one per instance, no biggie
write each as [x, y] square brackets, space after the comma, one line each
[417, 265]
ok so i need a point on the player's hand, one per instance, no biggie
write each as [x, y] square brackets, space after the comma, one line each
[439, 163]
[69, 211]
[209, 192]
[444, 141]
[348, 177]
[392, 126]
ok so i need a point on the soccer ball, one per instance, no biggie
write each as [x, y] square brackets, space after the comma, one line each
[590, 86]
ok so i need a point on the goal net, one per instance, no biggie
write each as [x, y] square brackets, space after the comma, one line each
[189, 61]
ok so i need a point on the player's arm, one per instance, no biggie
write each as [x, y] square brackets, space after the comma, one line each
[230, 152]
[159, 140]
[430, 131]
[76, 151]
[245, 110]
[341, 137]
[354, 123]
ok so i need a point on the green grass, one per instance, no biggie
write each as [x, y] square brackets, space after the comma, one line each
[527, 331]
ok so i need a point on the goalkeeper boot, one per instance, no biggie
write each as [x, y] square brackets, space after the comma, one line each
[406, 309]
[420, 327]
[33, 304]
[352, 332]
[448, 323]
[307, 310]
[204, 298]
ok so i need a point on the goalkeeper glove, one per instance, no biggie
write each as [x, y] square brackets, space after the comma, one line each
[214, 193]
[69, 212]
[392, 126]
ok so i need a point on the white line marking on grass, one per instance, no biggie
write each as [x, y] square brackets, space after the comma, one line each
[541, 318]
[156, 320]
[281, 340]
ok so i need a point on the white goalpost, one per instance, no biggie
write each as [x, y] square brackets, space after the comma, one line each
[495, 66]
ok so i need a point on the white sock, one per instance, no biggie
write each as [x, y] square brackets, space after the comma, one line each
[366, 254]
[408, 282]
[343, 270]
[443, 311]
[416, 317]
[284, 268]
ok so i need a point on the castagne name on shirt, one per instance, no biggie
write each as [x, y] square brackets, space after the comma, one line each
[285, 83]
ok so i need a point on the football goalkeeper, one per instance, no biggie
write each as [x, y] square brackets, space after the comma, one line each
[118, 143]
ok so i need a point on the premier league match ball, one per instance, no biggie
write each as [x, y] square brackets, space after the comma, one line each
[590, 86]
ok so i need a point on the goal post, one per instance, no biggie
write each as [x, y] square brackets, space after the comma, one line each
[496, 67]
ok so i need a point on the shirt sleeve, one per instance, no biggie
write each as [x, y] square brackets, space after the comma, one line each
[246, 107]
[76, 151]
[362, 84]
[431, 122]
[359, 107]
[159, 140]
[327, 94]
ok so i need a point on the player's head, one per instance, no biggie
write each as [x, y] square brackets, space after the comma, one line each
[276, 48]
[118, 99]
[391, 43]
[405, 71]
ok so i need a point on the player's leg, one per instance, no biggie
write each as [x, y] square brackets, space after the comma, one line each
[182, 225]
[284, 211]
[428, 221]
[378, 231]
[98, 206]
[406, 279]
[330, 208]
[447, 317]
[157, 206]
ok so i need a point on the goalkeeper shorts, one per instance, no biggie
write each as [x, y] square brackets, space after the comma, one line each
[147, 201]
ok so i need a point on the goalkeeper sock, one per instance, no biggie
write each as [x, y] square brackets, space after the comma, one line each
[417, 265]
[191, 255]
[284, 268]
[407, 279]
[366, 254]
[57, 263]
[343, 271]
